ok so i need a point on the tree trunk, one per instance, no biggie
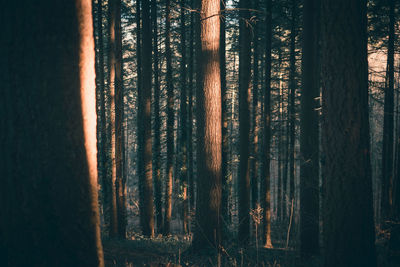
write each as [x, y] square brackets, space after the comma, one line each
[387, 141]
[309, 134]
[183, 112]
[49, 214]
[224, 118]
[170, 122]
[144, 129]
[348, 215]
[209, 136]
[119, 126]
[244, 121]
[112, 61]
[157, 123]
[266, 172]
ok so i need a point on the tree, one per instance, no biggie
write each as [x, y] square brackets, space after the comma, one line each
[309, 133]
[49, 210]
[170, 121]
[120, 179]
[244, 121]
[112, 61]
[157, 122]
[266, 195]
[183, 138]
[388, 122]
[348, 214]
[209, 138]
[144, 129]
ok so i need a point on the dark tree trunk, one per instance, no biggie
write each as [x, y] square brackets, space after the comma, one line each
[49, 211]
[224, 118]
[119, 126]
[309, 134]
[183, 112]
[209, 136]
[387, 141]
[244, 121]
[170, 122]
[348, 215]
[144, 129]
[266, 175]
[157, 123]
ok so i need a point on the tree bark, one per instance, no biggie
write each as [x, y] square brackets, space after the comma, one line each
[266, 172]
[209, 136]
[144, 128]
[348, 215]
[49, 211]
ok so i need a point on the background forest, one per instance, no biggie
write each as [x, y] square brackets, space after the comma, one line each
[229, 133]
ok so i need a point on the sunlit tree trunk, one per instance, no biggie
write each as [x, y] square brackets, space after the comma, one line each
[157, 123]
[266, 172]
[388, 121]
[209, 136]
[170, 122]
[49, 207]
[144, 128]
[309, 134]
[348, 214]
[244, 121]
[112, 61]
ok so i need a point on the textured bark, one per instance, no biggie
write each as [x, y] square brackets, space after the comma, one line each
[224, 119]
[309, 134]
[266, 174]
[388, 122]
[119, 126]
[144, 129]
[209, 136]
[183, 118]
[170, 122]
[348, 215]
[157, 123]
[244, 121]
[112, 61]
[49, 211]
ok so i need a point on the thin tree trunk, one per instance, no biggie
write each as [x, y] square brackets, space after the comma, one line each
[209, 135]
[244, 121]
[112, 61]
[119, 126]
[224, 118]
[266, 175]
[48, 119]
[170, 122]
[388, 121]
[348, 214]
[183, 112]
[157, 123]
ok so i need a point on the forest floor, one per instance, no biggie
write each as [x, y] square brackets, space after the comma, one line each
[175, 251]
